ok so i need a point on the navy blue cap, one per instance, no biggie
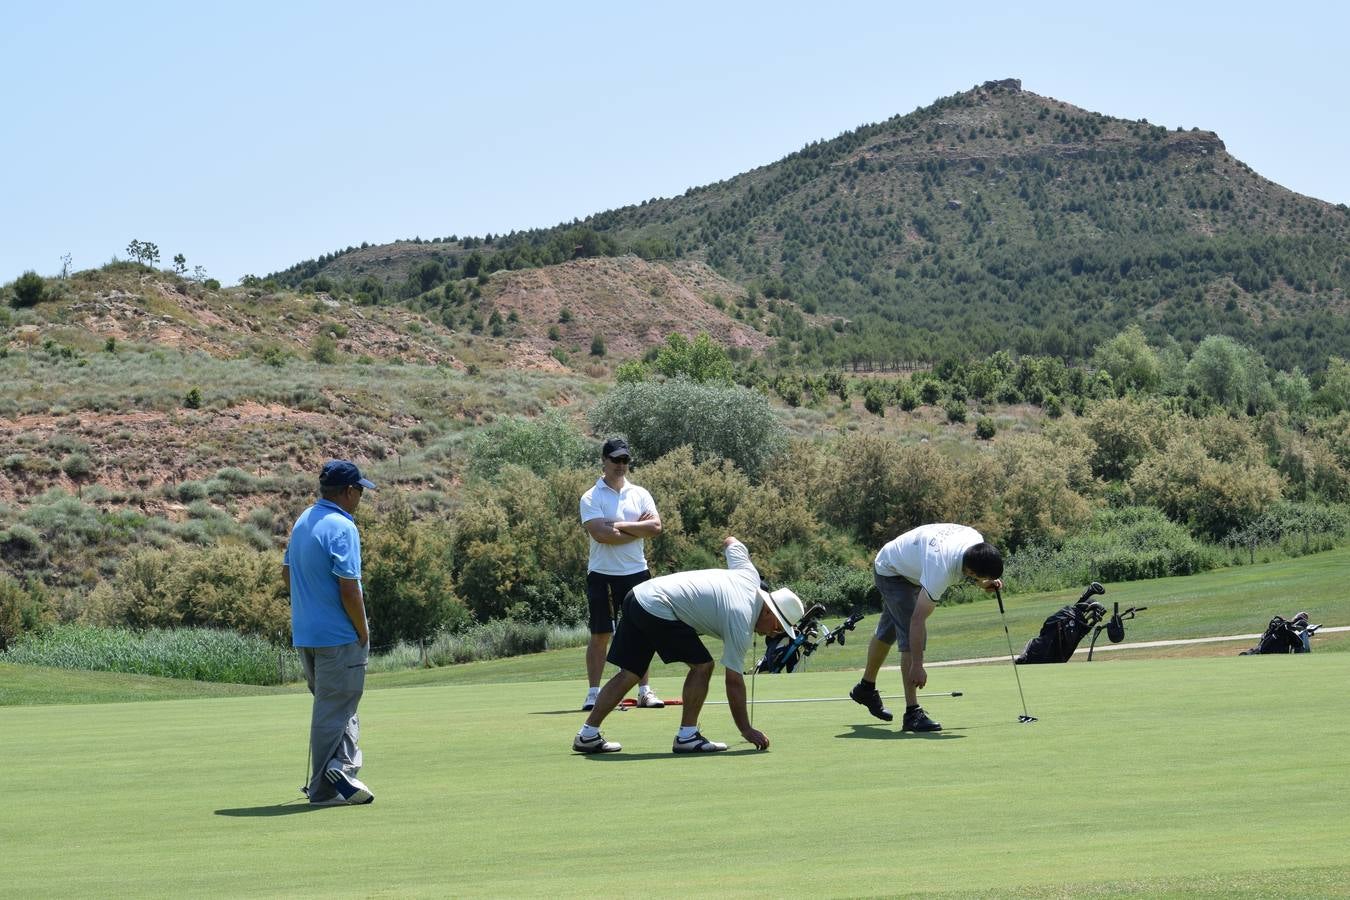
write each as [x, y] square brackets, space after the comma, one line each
[341, 473]
[616, 447]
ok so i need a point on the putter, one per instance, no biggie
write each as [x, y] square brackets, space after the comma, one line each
[1025, 718]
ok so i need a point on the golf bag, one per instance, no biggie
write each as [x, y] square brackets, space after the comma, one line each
[782, 654]
[1062, 632]
[1285, 636]
[1115, 627]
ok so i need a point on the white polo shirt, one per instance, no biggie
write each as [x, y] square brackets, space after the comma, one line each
[929, 556]
[623, 505]
[725, 603]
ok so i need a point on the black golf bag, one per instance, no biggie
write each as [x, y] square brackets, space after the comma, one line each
[1062, 632]
[782, 654]
[1285, 636]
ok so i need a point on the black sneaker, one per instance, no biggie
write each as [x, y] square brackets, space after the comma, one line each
[872, 700]
[917, 720]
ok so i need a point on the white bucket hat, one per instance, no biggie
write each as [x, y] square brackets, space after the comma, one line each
[786, 608]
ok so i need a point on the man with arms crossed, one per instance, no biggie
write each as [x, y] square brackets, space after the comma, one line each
[666, 615]
[912, 572]
[329, 629]
[617, 515]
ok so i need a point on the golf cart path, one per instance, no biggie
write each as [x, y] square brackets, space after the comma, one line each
[1105, 647]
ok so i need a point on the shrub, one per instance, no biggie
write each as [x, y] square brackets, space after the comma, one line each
[542, 445]
[407, 578]
[716, 421]
[29, 290]
[1033, 497]
[893, 487]
[511, 539]
[324, 349]
[223, 587]
[490, 640]
[199, 654]
[193, 399]
[77, 466]
[1128, 544]
[841, 588]
[1212, 495]
[985, 429]
[696, 501]
[1124, 432]
[22, 609]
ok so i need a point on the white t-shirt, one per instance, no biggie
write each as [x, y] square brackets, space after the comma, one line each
[623, 505]
[725, 603]
[929, 556]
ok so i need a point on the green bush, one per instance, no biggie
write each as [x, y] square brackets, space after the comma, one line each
[1128, 544]
[841, 588]
[1124, 433]
[715, 420]
[77, 466]
[544, 444]
[1211, 486]
[892, 487]
[199, 654]
[511, 538]
[222, 587]
[29, 290]
[1033, 497]
[985, 429]
[407, 578]
[324, 349]
[22, 609]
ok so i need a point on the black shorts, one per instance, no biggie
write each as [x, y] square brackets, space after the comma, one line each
[642, 635]
[604, 597]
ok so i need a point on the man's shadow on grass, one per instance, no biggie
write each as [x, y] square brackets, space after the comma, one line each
[289, 808]
[630, 757]
[891, 733]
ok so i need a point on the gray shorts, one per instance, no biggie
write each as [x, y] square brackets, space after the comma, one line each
[898, 599]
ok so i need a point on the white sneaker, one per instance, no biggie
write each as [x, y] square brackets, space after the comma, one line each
[351, 789]
[596, 743]
[589, 704]
[649, 700]
[696, 743]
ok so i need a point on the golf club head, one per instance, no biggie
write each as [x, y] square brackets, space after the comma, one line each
[1026, 720]
[1092, 590]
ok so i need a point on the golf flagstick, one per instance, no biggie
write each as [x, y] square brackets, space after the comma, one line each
[630, 703]
[1025, 717]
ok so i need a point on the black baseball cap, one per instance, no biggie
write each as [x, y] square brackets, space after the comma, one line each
[616, 447]
[341, 473]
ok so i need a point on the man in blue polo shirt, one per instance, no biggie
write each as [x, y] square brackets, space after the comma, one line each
[329, 629]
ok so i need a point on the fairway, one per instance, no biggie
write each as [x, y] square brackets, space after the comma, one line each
[1219, 775]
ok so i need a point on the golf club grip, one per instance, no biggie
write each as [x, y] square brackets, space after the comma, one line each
[998, 594]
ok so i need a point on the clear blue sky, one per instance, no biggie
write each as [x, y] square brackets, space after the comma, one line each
[249, 136]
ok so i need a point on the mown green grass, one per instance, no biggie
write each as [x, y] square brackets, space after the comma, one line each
[1219, 776]
[40, 685]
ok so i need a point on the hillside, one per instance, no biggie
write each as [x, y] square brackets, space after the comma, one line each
[992, 219]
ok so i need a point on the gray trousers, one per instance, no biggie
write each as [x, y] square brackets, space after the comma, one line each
[337, 678]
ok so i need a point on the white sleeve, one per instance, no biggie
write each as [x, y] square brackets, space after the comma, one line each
[588, 509]
[739, 558]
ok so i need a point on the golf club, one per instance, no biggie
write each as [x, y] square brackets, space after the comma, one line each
[1025, 718]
